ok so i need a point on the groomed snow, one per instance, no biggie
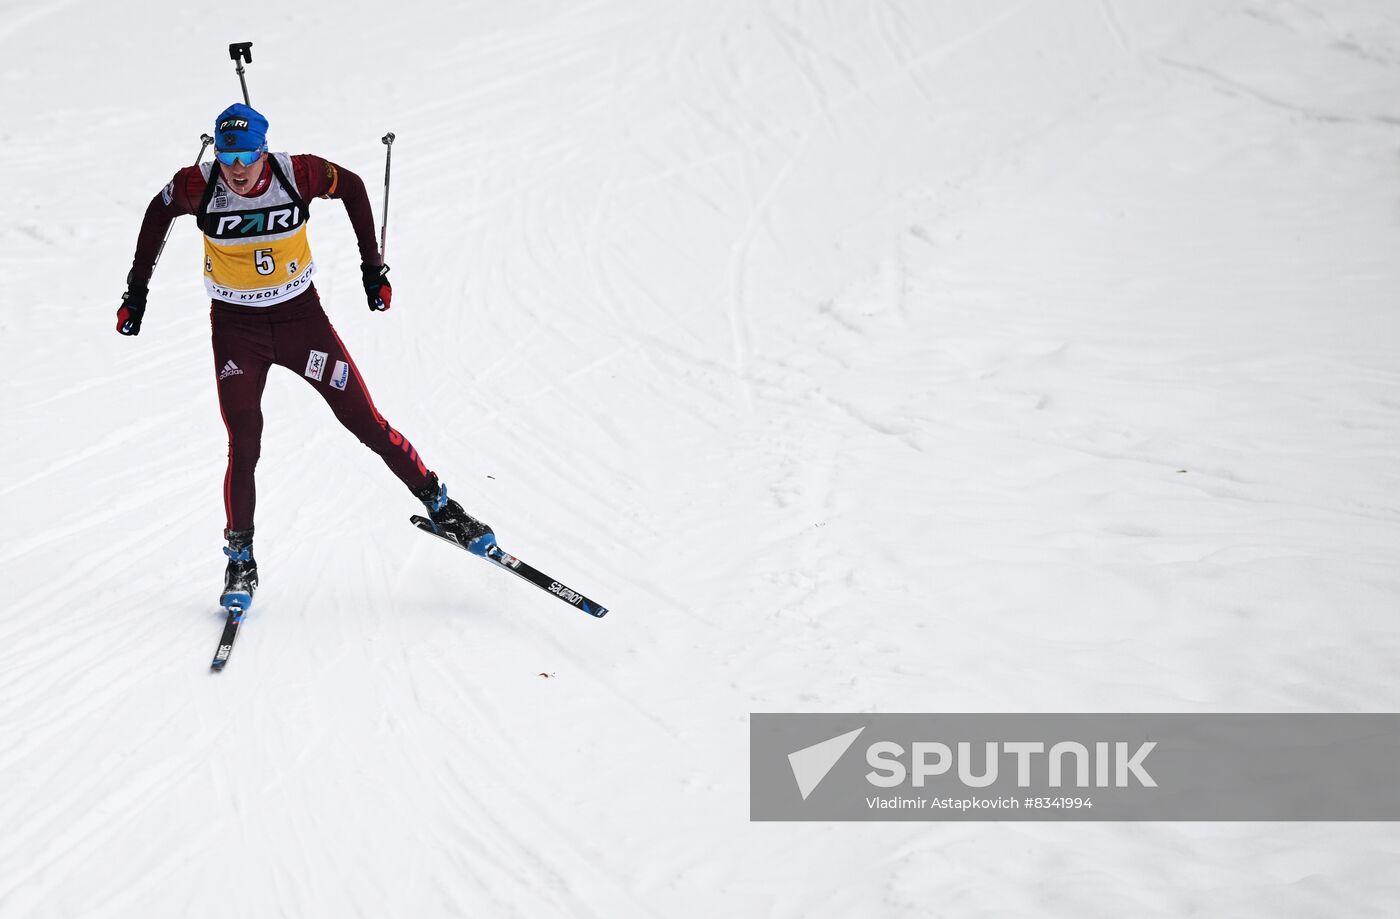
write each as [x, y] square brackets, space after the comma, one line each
[891, 356]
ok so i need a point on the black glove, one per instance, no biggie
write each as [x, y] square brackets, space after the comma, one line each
[377, 289]
[133, 307]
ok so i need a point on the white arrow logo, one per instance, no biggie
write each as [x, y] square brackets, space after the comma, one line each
[811, 764]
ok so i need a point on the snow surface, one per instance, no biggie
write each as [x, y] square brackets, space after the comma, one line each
[888, 356]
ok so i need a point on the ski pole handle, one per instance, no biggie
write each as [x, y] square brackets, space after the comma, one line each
[388, 141]
[204, 141]
[239, 52]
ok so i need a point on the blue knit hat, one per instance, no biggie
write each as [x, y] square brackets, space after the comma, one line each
[239, 127]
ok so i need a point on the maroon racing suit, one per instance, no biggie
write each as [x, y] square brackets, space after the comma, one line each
[293, 332]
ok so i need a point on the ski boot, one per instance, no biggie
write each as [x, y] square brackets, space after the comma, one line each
[241, 575]
[451, 522]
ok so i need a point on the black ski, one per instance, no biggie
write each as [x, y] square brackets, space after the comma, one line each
[231, 627]
[488, 549]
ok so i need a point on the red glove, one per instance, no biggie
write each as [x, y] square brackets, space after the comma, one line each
[133, 308]
[377, 289]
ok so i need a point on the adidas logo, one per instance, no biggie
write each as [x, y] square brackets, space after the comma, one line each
[230, 369]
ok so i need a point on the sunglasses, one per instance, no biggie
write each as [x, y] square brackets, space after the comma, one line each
[241, 157]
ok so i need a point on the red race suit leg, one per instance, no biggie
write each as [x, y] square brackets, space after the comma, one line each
[242, 355]
[308, 345]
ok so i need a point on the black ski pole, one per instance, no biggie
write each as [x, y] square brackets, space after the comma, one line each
[388, 141]
[239, 52]
[204, 141]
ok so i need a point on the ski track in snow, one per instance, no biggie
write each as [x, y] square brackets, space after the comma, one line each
[861, 357]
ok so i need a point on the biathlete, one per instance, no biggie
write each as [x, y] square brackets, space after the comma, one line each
[253, 207]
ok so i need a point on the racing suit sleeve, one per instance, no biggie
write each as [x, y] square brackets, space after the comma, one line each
[181, 196]
[323, 179]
